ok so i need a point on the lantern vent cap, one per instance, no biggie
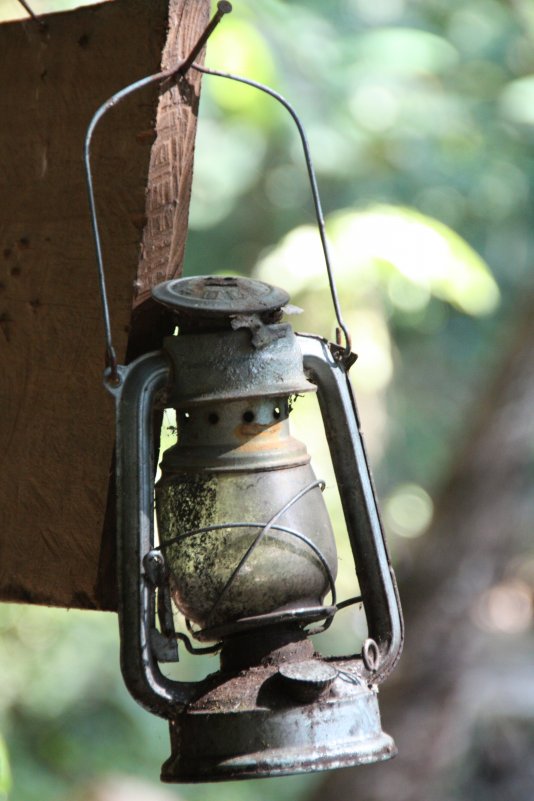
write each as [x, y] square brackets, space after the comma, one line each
[220, 296]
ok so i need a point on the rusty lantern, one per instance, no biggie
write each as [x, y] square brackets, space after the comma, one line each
[246, 550]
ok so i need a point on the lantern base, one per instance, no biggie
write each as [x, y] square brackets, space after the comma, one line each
[264, 723]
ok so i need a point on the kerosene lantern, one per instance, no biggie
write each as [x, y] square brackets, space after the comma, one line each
[245, 548]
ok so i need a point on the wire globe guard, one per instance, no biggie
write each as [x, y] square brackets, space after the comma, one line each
[269, 727]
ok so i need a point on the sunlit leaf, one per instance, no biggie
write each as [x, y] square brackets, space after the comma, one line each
[5, 771]
[241, 50]
[404, 51]
[422, 250]
[517, 101]
[380, 245]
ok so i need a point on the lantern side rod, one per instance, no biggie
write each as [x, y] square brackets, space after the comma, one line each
[319, 216]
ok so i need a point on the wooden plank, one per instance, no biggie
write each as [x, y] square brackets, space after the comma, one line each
[56, 422]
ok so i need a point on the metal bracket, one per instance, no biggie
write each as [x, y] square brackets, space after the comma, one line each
[164, 643]
[164, 648]
[339, 352]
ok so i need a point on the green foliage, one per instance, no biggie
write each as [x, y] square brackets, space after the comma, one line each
[5, 771]
[413, 256]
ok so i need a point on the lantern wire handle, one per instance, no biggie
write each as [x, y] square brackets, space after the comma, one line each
[223, 7]
[166, 78]
[319, 216]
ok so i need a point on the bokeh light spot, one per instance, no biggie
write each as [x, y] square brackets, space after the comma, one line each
[408, 510]
[505, 608]
[375, 108]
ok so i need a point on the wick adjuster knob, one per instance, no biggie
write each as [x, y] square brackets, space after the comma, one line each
[308, 680]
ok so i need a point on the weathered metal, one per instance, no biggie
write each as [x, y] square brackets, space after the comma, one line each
[213, 296]
[376, 578]
[251, 726]
[222, 366]
[248, 553]
[307, 680]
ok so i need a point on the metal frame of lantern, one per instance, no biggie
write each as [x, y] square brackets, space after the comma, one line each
[307, 721]
[275, 707]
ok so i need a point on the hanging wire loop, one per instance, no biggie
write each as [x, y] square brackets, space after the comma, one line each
[112, 375]
[167, 78]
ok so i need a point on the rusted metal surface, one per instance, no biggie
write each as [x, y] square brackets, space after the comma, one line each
[251, 434]
[264, 576]
[252, 725]
[275, 645]
[219, 296]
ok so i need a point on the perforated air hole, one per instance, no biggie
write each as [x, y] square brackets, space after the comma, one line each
[276, 412]
[248, 417]
[213, 418]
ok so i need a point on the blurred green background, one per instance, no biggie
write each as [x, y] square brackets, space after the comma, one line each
[420, 116]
